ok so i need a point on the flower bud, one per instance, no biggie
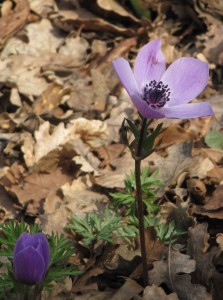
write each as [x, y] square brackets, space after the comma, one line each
[31, 258]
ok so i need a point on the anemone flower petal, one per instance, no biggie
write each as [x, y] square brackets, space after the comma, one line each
[29, 266]
[149, 63]
[186, 78]
[43, 248]
[187, 111]
[20, 242]
[125, 75]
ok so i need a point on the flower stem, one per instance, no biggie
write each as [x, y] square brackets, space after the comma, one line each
[140, 206]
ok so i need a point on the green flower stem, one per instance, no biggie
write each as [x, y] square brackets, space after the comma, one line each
[140, 206]
[26, 292]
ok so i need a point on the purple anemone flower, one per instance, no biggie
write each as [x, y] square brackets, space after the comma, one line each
[160, 93]
[31, 258]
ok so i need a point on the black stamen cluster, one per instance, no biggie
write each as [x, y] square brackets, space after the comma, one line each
[156, 94]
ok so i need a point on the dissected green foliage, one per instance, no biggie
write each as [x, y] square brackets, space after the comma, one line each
[149, 184]
[95, 226]
[106, 226]
[60, 250]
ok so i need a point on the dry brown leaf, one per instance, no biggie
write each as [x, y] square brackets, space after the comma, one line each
[80, 284]
[178, 160]
[178, 213]
[68, 20]
[92, 132]
[196, 189]
[42, 7]
[198, 248]
[14, 20]
[53, 96]
[174, 134]
[79, 198]
[76, 48]
[36, 34]
[110, 152]
[165, 270]
[214, 154]
[7, 208]
[155, 247]
[114, 7]
[23, 71]
[54, 222]
[26, 64]
[215, 175]
[92, 295]
[215, 202]
[173, 272]
[157, 293]
[213, 207]
[219, 240]
[213, 44]
[129, 289]
[37, 186]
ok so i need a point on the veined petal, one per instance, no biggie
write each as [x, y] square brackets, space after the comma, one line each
[125, 75]
[186, 78]
[149, 64]
[29, 266]
[43, 248]
[186, 111]
[20, 242]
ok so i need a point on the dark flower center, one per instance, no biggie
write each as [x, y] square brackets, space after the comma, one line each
[156, 94]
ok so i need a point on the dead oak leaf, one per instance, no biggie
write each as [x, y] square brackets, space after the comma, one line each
[92, 132]
[79, 198]
[37, 186]
[169, 271]
[129, 289]
[156, 293]
[50, 99]
[175, 134]
[213, 207]
[198, 249]
[14, 20]
[36, 33]
[114, 7]
[68, 20]
[165, 270]
[42, 7]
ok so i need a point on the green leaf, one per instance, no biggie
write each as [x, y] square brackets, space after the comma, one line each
[148, 142]
[133, 128]
[214, 139]
[139, 10]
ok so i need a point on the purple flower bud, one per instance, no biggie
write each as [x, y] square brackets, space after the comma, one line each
[31, 258]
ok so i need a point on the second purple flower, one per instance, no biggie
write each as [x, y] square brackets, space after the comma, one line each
[31, 258]
[160, 93]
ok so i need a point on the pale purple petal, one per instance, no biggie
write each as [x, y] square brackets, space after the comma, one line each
[186, 111]
[29, 266]
[125, 75]
[149, 64]
[186, 78]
